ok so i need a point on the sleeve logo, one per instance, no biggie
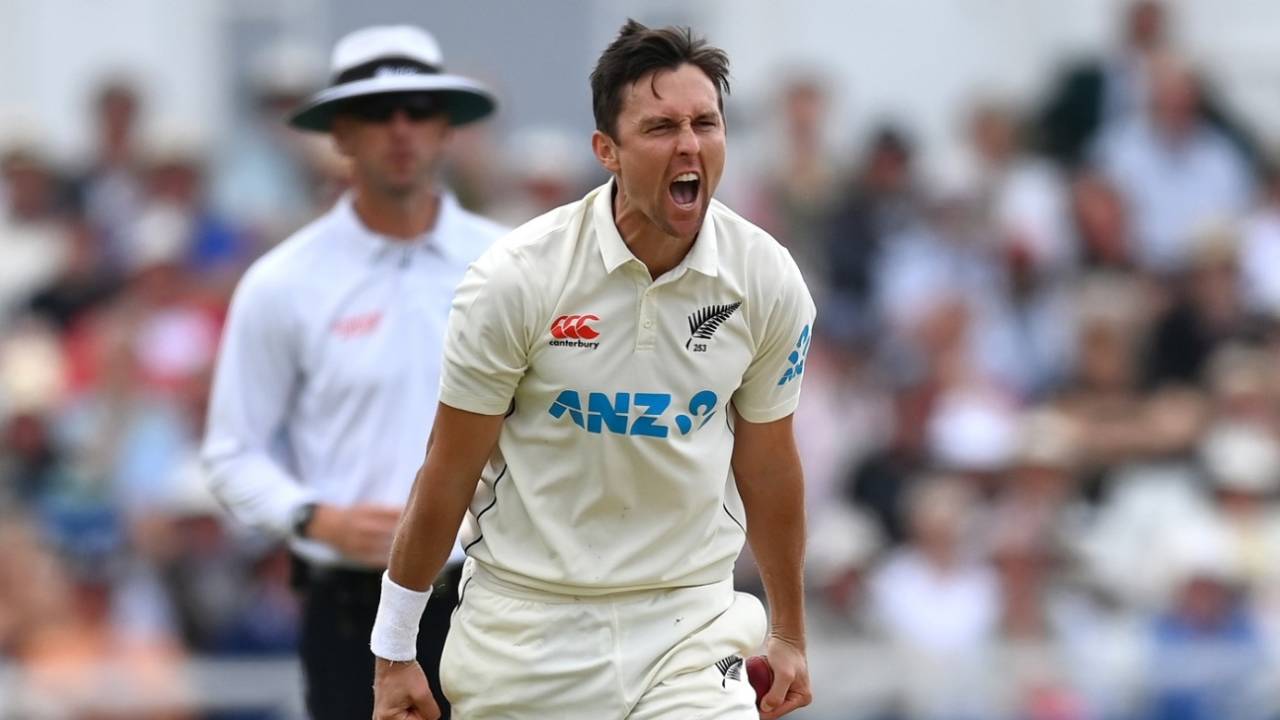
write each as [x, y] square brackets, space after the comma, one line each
[795, 361]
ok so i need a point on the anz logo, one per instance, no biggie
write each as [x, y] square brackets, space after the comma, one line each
[641, 414]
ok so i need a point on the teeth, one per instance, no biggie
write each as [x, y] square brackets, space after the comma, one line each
[686, 177]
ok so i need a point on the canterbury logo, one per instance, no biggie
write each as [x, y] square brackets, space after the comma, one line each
[574, 327]
[357, 325]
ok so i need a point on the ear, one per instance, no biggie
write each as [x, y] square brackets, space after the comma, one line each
[606, 151]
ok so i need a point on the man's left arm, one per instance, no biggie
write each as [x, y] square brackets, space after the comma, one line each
[766, 466]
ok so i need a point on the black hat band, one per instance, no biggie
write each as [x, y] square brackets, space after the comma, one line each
[383, 67]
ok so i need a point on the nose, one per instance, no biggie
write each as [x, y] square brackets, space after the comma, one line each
[687, 140]
[399, 120]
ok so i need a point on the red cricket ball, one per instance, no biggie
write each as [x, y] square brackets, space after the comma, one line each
[760, 675]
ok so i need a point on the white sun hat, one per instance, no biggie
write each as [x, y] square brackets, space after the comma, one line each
[388, 59]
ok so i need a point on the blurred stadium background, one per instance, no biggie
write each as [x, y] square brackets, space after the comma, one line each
[1041, 422]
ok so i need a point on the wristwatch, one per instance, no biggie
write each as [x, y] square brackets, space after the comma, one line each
[302, 518]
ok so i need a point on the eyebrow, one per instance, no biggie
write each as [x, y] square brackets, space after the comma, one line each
[653, 120]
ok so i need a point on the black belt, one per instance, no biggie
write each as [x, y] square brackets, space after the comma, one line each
[305, 574]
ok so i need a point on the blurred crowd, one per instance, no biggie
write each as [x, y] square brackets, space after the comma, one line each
[1041, 409]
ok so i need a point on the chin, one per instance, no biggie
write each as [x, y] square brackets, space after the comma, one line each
[687, 229]
[401, 185]
[689, 223]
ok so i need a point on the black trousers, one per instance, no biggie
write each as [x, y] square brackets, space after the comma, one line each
[338, 608]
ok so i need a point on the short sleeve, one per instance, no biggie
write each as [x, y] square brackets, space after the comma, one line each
[486, 349]
[770, 388]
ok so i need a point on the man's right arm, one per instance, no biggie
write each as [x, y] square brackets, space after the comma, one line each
[486, 354]
[461, 443]
[252, 386]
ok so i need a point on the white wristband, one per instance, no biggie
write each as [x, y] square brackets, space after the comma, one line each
[395, 629]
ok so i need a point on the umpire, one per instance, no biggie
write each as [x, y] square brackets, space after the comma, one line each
[328, 375]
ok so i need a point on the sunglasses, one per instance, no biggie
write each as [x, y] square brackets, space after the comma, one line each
[380, 108]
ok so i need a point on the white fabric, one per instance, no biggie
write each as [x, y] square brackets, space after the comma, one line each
[652, 655]
[328, 374]
[34, 254]
[935, 610]
[1260, 259]
[400, 41]
[395, 627]
[1175, 190]
[612, 468]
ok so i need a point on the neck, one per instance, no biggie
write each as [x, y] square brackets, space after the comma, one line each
[659, 251]
[399, 217]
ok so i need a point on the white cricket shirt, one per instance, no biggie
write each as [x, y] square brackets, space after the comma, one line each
[329, 370]
[612, 470]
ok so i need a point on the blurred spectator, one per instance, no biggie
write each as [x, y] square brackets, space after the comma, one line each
[1112, 89]
[1119, 422]
[938, 604]
[934, 594]
[32, 384]
[880, 201]
[474, 167]
[546, 168]
[1107, 89]
[33, 239]
[1239, 379]
[1025, 328]
[1101, 221]
[843, 541]
[89, 661]
[31, 590]
[1243, 464]
[1207, 312]
[972, 432]
[111, 187]
[929, 282]
[81, 285]
[176, 206]
[798, 182]
[1029, 521]
[142, 353]
[1260, 250]
[267, 176]
[1179, 174]
[880, 480]
[1208, 659]
[1022, 196]
[1007, 215]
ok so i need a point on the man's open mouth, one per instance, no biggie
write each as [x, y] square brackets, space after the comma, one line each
[684, 189]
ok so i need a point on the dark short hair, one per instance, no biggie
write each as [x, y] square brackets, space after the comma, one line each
[638, 51]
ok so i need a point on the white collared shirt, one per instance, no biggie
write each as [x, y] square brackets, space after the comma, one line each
[1175, 191]
[328, 375]
[612, 470]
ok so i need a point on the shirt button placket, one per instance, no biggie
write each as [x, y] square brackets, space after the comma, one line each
[646, 337]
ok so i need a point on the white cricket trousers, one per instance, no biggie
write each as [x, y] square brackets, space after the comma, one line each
[520, 654]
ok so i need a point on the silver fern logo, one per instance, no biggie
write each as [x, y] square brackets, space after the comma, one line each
[704, 323]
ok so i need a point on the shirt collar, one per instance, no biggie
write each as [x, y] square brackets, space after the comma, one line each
[444, 238]
[703, 257]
